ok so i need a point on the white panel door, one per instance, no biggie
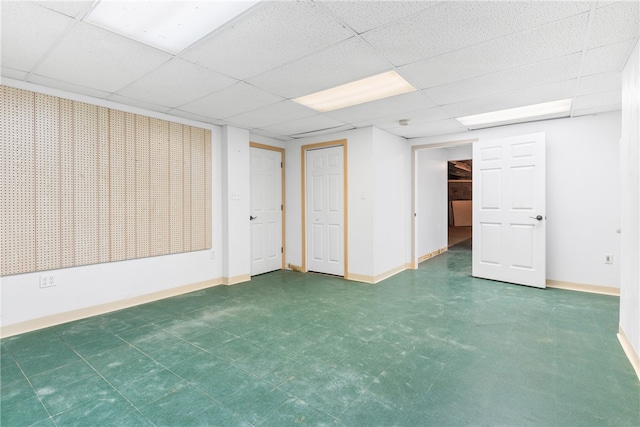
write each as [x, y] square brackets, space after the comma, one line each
[325, 210]
[266, 211]
[509, 210]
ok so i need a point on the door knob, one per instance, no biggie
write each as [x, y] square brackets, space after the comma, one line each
[251, 218]
[538, 217]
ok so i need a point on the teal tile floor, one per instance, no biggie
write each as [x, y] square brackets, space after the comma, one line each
[432, 346]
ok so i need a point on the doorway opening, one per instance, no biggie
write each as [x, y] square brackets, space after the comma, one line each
[459, 201]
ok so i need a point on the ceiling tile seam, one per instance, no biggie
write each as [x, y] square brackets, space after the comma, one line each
[629, 51]
[334, 16]
[213, 33]
[134, 81]
[338, 19]
[467, 79]
[56, 42]
[475, 45]
[487, 97]
[585, 44]
[293, 61]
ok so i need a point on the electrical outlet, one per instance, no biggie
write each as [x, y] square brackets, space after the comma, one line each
[608, 259]
[47, 280]
[212, 254]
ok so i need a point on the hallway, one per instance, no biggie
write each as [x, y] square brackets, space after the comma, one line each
[426, 347]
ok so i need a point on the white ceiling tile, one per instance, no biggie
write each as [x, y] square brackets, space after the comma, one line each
[234, 100]
[70, 8]
[414, 117]
[69, 87]
[28, 32]
[455, 25]
[596, 110]
[529, 96]
[272, 114]
[557, 69]
[307, 124]
[376, 13]
[13, 74]
[195, 117]
[426, 129]
[138, 103]
[527, 47]
[605, 82]
[614, 23]
[271, 35]
[613, 100]
[406, 102]
[270, 135]
[606, 58]
[93, 57]
[343, 63]
[180, 81]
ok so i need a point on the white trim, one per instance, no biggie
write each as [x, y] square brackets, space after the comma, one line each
[633, 357]
[594, 289]
[83, 313]
[236, 279]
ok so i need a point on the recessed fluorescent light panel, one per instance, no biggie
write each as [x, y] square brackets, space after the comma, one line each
[370, 89]
[547, 110]
[167, 25]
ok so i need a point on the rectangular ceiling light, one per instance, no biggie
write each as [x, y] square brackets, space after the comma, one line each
[167, 25]
[370, 89]
[546, 110]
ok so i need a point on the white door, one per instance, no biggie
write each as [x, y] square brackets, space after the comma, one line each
[325, 210]
[509, 210]
[266, 211]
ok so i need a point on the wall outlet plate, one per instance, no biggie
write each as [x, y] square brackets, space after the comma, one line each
[47, 280]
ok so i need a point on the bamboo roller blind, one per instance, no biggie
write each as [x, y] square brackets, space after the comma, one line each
[83, 184]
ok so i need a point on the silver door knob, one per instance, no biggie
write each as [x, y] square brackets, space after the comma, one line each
[538, 217]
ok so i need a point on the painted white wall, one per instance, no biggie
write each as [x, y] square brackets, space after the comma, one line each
[236, 231]
[260, 139]
[90, 285]
[630, 177]
[462, 152]
[360, 189]
[431, 200]
[583, 193]
[390, 205]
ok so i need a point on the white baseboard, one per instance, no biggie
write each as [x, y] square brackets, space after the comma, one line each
[594, 289]
[633, 357]
[432, 254]
[379, 277]
[236, 279]
[83, 313]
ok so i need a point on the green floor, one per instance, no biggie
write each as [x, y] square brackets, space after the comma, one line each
[426, 347]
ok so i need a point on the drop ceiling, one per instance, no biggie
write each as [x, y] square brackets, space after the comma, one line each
[464, 57]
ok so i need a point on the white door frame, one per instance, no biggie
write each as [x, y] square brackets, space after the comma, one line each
[303, 153]
[414, 192]
[281, 150]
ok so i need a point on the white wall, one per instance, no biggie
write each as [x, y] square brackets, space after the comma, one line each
[431, 200]
[90, 285]
[583, 193]
[461, 152]
[391, 207]
[236, 231]
[629, 159]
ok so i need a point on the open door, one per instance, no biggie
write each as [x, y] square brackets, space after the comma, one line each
[509, 210]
